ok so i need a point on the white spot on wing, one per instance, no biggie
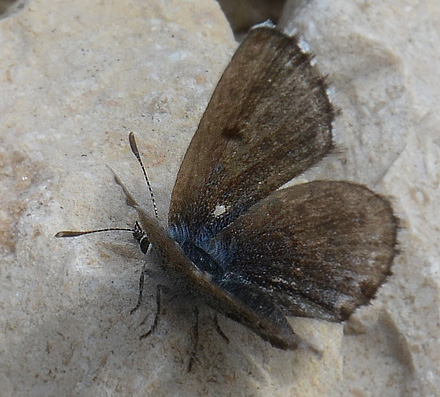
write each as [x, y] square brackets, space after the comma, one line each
[219, 210]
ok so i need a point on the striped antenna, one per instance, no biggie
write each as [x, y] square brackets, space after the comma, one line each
[135, 151]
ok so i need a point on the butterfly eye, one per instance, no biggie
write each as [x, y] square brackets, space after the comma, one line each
[141, 237]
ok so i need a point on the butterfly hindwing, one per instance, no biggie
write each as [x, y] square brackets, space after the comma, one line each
[318, 249]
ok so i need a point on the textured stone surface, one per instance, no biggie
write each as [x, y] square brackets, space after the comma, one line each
[75, 77]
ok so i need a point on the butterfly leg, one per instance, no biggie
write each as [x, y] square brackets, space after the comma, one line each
[219, 330]
[195, 339]
[141, 290]
[144, 272]
[159, 289]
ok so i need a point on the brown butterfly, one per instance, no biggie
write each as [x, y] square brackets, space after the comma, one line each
[254, 253]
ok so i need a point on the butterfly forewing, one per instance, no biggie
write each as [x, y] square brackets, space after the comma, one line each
[319, 249]
[268, 120]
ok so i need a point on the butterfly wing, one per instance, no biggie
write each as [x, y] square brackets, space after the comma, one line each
[319, 249]
[269, 119]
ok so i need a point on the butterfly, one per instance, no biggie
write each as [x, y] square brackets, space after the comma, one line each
[250, 250]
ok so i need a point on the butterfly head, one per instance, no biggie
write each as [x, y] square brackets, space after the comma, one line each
[141, 237]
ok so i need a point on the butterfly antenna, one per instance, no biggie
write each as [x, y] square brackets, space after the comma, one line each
[135, 151]
[75, 233]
